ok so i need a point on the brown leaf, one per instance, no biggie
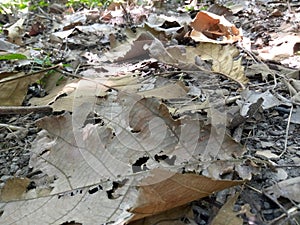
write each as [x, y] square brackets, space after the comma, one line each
[169, 91]
[213, 27]
[173, 216]
[160, 191]
[12, 93]
[14, 188]
[226, 215]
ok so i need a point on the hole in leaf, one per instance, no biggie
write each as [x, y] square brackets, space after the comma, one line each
[140, 164]
[167, 159]
[95, 189]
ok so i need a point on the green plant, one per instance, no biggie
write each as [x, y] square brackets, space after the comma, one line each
[40, 3]
[88, 3]
[7, 6]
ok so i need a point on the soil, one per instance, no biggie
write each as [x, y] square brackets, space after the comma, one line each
[267, 129]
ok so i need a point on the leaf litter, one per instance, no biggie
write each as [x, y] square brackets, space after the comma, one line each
[148, 117]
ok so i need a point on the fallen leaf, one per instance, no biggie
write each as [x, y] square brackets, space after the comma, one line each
[280, 48]
[268, 154]
[15, 31]
[295, 118]
[159, 191]
[209, 27]
[226, 215]
[14, 189]
[169, 91]
[173, 216]
[132, 50]
[250, 97]
[7, 46]
[13, 93]
[287, 188]
[105, 163]
[223, 58]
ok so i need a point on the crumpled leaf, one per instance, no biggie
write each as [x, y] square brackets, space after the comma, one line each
[209, 27]
[14, 32]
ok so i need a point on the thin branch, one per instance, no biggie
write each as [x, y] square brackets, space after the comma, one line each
[5, 110]
[287, 132]
[7, 79]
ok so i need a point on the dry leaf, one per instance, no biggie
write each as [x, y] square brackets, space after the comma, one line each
[15, 32]
[135, 49]
[159, 191]
[168, 91]
[226, 215]
[209, 27]
[223, 58]
[267, 154]
[13, 93]
[14, 189]
[173, 216]
[287, 188]
[134, 147]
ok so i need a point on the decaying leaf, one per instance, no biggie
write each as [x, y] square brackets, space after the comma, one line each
[222, 57]
[223, 60]
[12, 93]
[14, 32]
[134, 49]
[14, 189]
[124, 163]
[226, 215]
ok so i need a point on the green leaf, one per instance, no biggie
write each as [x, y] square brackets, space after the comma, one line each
[12, 56]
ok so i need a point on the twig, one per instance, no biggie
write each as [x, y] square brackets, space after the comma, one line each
[259, 61]
[290, 212]
[11, 127]
[7, 79]
[253, 189]
[287, 132]
[5, 110]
